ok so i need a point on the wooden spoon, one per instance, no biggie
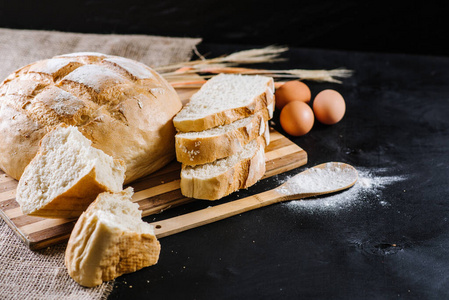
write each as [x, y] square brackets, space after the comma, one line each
[322, 179]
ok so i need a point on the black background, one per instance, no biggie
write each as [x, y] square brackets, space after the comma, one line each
[417, 27]
[391, 244]
[397, 119]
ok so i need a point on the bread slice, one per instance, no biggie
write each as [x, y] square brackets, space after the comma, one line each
[224, 99]
[66, 175]
[194, 148]
[110, 239]
[222, 177]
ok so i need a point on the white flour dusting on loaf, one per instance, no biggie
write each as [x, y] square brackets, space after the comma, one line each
[370, 183]
[95, 77]
[51, 66]
[136, 69]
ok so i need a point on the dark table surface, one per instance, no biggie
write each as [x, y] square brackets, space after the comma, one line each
[387, 237]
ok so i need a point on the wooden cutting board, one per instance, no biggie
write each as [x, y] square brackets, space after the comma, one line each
[154, 193]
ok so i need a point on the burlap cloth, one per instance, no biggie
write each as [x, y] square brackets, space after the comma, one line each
[26, 274]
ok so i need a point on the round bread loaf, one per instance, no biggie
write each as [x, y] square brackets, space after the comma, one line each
[124, 107]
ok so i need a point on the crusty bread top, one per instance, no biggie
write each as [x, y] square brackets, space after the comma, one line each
[123, 106]
[223, 99]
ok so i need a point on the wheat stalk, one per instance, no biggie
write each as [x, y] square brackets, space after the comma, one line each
[312, 75]
[191, 74]
[265, 55]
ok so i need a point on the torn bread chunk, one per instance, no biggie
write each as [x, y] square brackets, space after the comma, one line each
[66, 175]
[224, 99]
[110, 239]
[224, 176]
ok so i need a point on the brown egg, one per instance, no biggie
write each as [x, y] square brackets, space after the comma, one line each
[294, 90]
[329, 107]
[297, 118]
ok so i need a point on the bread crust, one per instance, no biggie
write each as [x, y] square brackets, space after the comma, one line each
[201, 150]
[228, 116]
[124, 107]
[242, 175]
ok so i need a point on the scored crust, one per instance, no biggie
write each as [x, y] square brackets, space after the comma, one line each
[124, 107]
[245, 173]
[210, 145]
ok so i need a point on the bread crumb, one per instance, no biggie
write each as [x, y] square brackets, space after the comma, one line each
[191, 153]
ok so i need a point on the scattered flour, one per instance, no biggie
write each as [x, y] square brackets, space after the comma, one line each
[370, 183]
[332, 177]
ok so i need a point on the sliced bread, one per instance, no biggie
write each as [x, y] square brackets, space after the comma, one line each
[110, 239]
[224, 176]
[66, 175]
[194, 148]
[224, 99]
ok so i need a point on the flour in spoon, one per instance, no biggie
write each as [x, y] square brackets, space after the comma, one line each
[332, 177]
[370, 183]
